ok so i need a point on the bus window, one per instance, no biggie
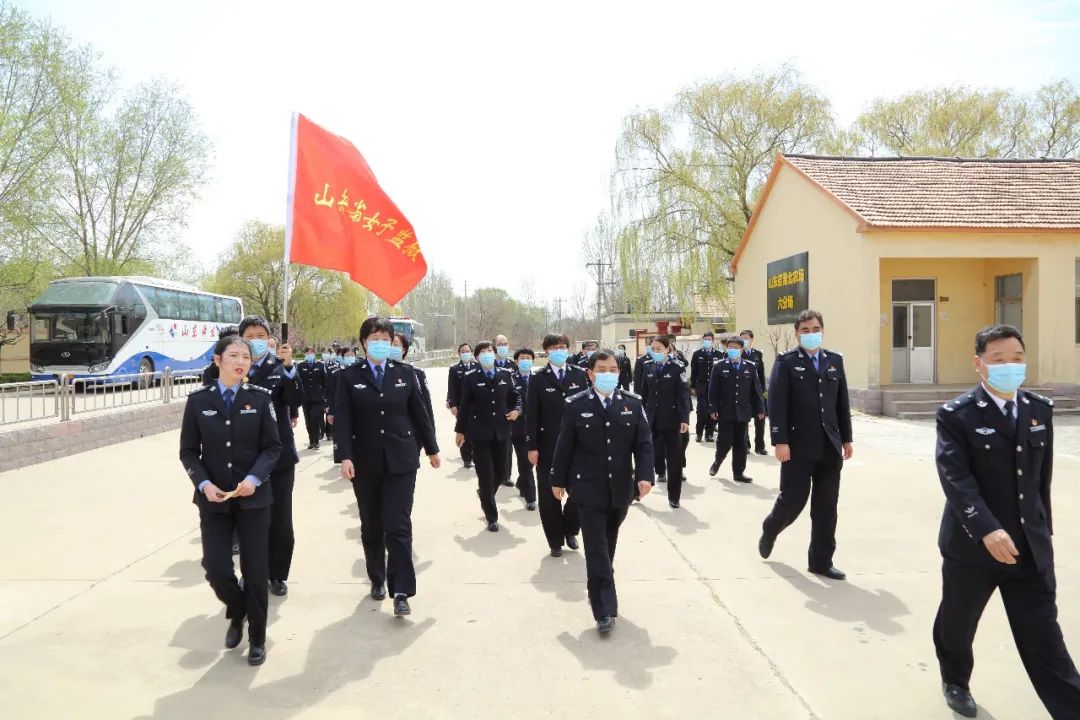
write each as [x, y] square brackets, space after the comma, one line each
[150, 294]
[189, 306]
[232, 311]
[219, 314]
[206, 308]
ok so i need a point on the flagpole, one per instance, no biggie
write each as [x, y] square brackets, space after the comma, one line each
[290, 201]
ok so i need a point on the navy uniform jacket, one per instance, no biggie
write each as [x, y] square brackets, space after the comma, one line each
[519, 428]
[995, 477]
[735, 395]
[377, 429]
[226, 448]
[210, 374]
[639, 372]
[545, 404]
[331, 387]
[804, 404]
[288, 396]
[666, 397]
[701, 366]
[508, 364]
[602, 454]
[755, 356]
[453, 385]
[626, 374]
[425, 393]
[313, 378]
[485, 403]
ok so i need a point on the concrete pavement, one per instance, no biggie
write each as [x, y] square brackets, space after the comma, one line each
[104, 612]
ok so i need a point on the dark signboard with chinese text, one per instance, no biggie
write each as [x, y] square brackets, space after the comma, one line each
[787, 283]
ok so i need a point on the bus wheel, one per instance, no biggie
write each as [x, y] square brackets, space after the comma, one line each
[146, 366]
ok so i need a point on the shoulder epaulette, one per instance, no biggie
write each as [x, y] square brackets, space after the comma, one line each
[627, 393]
[204, 388]
[252, 386]
[577, 396]
[470, 372]
[677, 361]
[503, 369]
[959, 402]
[786, 353]
[1041, 398]
[749, 362]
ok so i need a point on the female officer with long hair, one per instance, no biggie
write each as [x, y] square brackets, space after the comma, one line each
[229, 445]
[378, 414]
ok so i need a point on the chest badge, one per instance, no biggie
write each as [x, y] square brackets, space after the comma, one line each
[209, 413]
[985, 431]
[586, 415]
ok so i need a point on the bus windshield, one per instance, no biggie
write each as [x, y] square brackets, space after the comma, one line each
[71, 327]
[91, 292]
[405, 329]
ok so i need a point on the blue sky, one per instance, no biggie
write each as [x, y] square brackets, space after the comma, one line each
[493, 125]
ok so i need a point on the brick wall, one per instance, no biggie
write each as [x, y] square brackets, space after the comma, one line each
[20, 447]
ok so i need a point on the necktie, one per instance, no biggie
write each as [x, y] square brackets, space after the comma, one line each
[490, 375]
[607, 403]
[816, 365]
[378, 376]
[1009, 417]
[560, 375]
[227, 396]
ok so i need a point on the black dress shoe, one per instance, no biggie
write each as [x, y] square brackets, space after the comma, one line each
[316, 446]
[401, 606]
[493, 526]
[234, 634]
[831, 572]
[699, 437]
[744, 479]
[605, 624]
[761, 451]
[256, 655]
[571, 542]
[468, 466]
[960, 701]
[765, 546]
[710, 439]
[556, 552]
[278, 588]
[530, 506]
[714, 468]
[674, 505]
[378, 592]
[508, 483]
[662, 478]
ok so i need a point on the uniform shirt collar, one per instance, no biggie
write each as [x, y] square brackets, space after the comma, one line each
[371, 365]
[999, 402]
[222, 387]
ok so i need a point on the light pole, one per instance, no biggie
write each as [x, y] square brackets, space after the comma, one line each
[453, 321]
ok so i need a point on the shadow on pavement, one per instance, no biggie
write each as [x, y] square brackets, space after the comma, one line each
[565, 577]
[628, 652]
[686, 522]
[336, 486]
[340, 654]
[753, 490]
[523, 517]
[185, 573]
[844, 601]
[489, 544]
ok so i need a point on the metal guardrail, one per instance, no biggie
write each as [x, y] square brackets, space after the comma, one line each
[65, 398]
[432, 356]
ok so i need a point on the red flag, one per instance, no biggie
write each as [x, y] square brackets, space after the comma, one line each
[340, 219]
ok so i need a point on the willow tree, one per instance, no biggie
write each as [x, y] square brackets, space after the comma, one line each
[687, 178]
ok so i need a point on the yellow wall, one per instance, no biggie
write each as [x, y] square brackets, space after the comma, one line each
[798, 217]
[16, 358]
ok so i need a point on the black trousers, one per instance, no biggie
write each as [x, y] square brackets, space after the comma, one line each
[1029, 595]
[467, 451]
[600, 533]
[253, 527]
[526, 485]
[315, 421]
[490, 458]
[509, 459]
[705, 424]
[282, 539]
[818, 481]
[731, 437]
[559, 521]
[759, 435]
[386, 503]
[670, 451]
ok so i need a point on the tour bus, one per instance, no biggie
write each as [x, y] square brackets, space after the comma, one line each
[412, 330]
[103, 326]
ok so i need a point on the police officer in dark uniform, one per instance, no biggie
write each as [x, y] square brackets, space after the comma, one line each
[399, 351]
[701, 367]
[502, 360]
[280, 377]
[453, 393]
[587, 349]
[525, 483]
[626, 373]
[545, 405]
[734, 398]
[313, 378]
[667, 404]
[639, 370]
[603, 458]
[490, 402]
[348, 359]
[995, 456]
[811, 430]
[210, 372]
[755, 356]
[379, 412]
[229, 445]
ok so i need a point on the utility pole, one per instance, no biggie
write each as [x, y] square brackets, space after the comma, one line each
[465, 311]
[599, 265]
[558, 321]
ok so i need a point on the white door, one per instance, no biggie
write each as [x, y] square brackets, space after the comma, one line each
[922, 343]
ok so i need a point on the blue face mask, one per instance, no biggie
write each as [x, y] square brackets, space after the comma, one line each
[606, 382]
[466, 358]
[706, 344]
[504, 351]
[658, 357]
[525, 366]
[325, 357]
[1007, 377]
[734, 354]
[810, 341]
[378, 350]
[558, 357]
[395, 353]
[310, 357]
[259, 347]
[487, 359]
[619, 352]
[348, 360]
[589, 353]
